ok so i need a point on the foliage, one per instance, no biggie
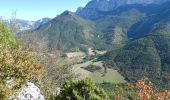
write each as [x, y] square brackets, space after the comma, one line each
[32, 41]
[147, 51]
[57, 69]
[6, 38]
[155, 16]
[16, 66]
[109, 25]
[81, 89]
[107, 76]
[67, 32]
[123, 90]
[144, 88]
[147, 56]
[92, 68]
[57, 72]
[48, 87]
[146, 91]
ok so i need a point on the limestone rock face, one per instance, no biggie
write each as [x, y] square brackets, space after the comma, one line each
[30, 92]
[94, 7]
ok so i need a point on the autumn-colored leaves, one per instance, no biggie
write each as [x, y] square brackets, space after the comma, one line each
[146, 92]
[162, 95]
[144, 88]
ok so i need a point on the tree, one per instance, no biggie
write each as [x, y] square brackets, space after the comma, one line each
[16, 66]
[81, 90]
[13, 22]
[57, 73]
[6, 38]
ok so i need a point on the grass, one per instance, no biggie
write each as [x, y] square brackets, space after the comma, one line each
[111, 76]
[92, 68]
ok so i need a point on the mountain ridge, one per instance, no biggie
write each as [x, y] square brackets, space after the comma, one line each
[69, 32]
[93, 8]
[23, 25]
[147, 51]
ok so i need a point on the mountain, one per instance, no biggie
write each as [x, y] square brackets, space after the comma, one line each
[121, 23]
[115, 26]
[148, 56]
[95, 8]
[69, 32]
[156, 14]
[106, 31]
[147, 52]
[40, 22]
[138, 32]
[23, 25]
[130, 21]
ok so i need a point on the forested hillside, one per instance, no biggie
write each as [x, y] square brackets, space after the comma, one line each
[68, 32]
[146, 56]
[107, 50]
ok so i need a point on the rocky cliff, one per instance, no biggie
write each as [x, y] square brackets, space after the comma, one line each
[93, 9]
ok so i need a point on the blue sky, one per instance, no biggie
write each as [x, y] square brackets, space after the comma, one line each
[36, 9]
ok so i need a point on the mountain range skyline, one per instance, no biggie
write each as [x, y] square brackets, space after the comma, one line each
[26, 10]
[35, 9]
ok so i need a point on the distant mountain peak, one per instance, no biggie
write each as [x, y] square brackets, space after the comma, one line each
[67, 13]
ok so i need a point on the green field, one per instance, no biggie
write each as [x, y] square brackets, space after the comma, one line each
[111, 76]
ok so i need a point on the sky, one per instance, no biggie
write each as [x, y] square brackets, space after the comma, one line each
[37, 9]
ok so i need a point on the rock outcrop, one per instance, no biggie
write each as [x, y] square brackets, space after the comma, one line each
[30, 92]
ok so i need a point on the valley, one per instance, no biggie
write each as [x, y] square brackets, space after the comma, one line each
[103, 74]
[128, 33]
[106, 50]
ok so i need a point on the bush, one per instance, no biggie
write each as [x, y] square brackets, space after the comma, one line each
[92, 68]
[16, 66]
[81, 90]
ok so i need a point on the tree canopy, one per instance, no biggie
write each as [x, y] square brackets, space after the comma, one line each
[81, 90]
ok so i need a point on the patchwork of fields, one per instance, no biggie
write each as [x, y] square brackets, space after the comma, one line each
[98, 76]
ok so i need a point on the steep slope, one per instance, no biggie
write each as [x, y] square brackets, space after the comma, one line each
[147, 50]
[115, 26]
[40, 22]
[147, 56]
[143, 27]
[155, 15]
[94, 8]
[68, 32]
[131, 21]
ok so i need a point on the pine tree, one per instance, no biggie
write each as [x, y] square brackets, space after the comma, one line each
[81, 90]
